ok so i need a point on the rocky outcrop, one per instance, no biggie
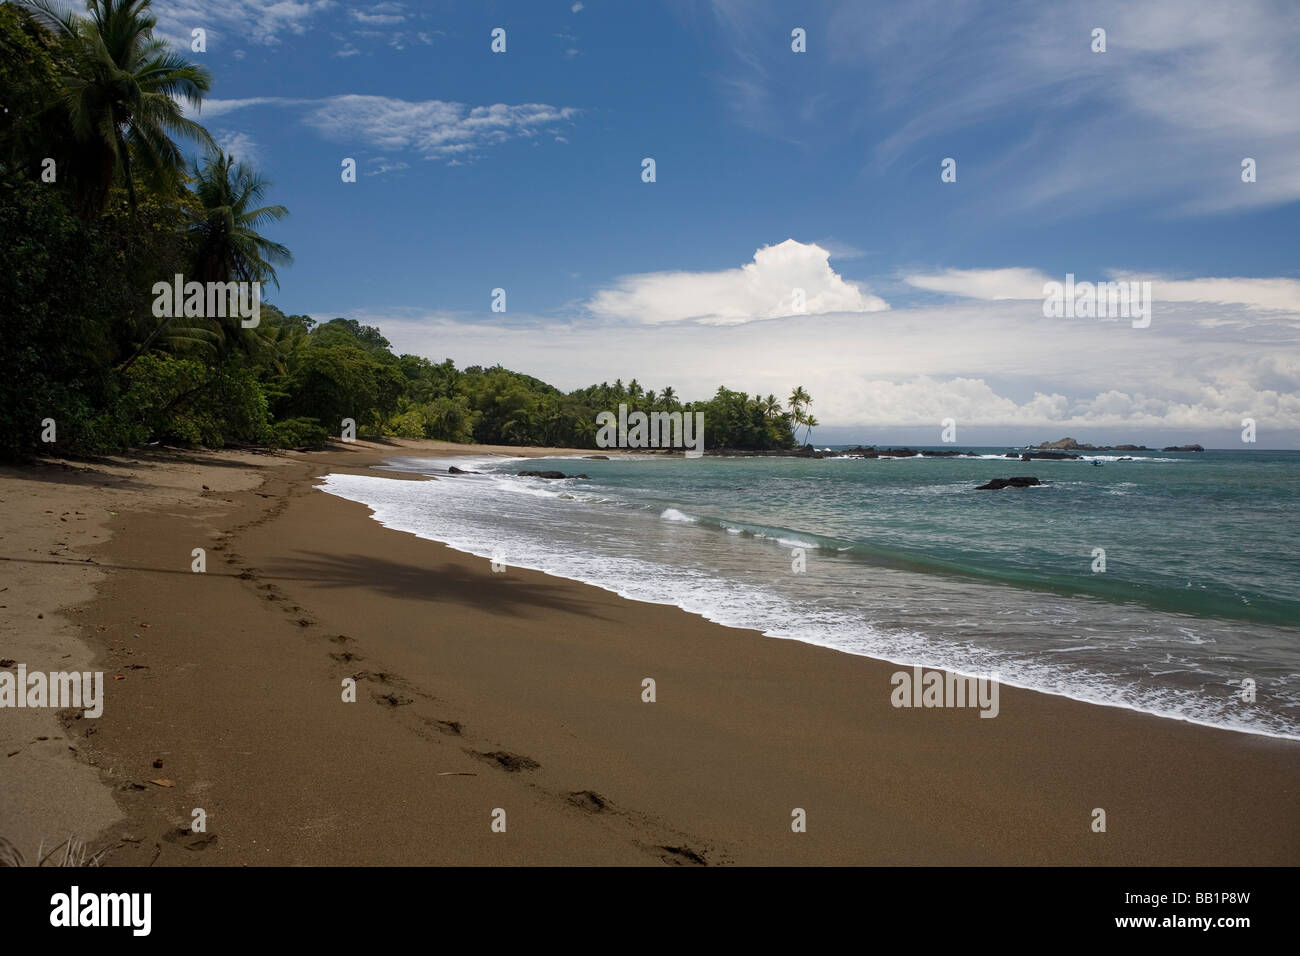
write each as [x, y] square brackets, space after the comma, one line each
[1069, 444]
[997, 484]
[1046, 456]
[552, 475]
[453, 470]
[1183, 448]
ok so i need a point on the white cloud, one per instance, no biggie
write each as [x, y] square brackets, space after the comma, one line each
[1200, 367]
[1184, 92]
[762, 289]
[1273, 294]
[988, 284]
[577, 6]
[1282, 295]
[380, 19]
[842, 250]
[435, 129]
[241, 146]
[254, 21]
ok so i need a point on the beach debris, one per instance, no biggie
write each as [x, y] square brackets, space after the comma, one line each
[997, 484]
[163, 782]
[157, 764]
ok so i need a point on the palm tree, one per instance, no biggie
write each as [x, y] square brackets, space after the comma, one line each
[121, 98]
[227, 245]
[799, 400]
[811, 422]
[668, 397]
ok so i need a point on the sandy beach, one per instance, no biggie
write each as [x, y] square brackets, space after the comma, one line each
[479, 692]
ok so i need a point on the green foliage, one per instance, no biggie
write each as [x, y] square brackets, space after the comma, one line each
[334, 382]
[183, 401]
[297, 433]
[97, 93]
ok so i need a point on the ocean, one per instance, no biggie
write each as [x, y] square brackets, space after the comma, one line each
[1165, 584]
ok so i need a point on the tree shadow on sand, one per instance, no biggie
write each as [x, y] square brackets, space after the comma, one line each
[452, 583]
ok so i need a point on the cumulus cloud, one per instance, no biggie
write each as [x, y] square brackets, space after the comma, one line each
[763, 289]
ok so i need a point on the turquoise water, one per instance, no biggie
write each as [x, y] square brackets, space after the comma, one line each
[902, 559]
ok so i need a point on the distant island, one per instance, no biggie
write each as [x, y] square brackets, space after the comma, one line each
[1069, 444]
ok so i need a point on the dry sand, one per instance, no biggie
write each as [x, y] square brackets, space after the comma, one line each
[520, 692]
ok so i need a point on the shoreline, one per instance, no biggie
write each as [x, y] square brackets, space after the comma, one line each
[472, 672]
[892, 662]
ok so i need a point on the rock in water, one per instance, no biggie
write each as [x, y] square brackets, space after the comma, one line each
[997, 484]
[549, 474]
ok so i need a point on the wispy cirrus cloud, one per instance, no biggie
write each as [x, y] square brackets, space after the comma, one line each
[259, 23]
[239, 21]
[1043, 119]
[431, 129]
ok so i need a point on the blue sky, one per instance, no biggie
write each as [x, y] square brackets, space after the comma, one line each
[522, 170]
